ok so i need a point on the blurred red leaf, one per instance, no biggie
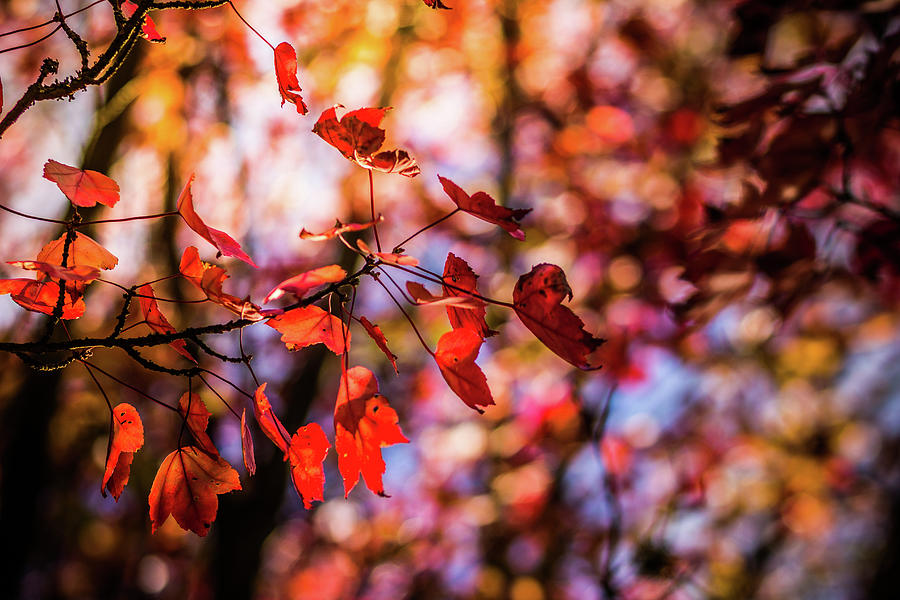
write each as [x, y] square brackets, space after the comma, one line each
[148, 29]
[299, 285]
[210, 278]
[456, 354]
[186, 486]
[337, 230]
[537, 301]
[458, 274]
[196, 415]
[82, 188]
[364, 422]
[485, 208]
[377, 336]
[158, 321]
[223, 242]
[268, 422]
[286, 74]
[127, 438]
[306, 454]
[247, 451]
[310, 325]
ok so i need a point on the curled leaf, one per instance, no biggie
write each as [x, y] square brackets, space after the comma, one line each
[127, 438]
[268, 422]
[388, 257]
[455, 356]
[485, 208]
[306, 454]
[364, 422]
[459, 278]
[299, 285]
[247, 451]
[537, 301]
[196, 416]
[210, 278]
[83, 273]
[421, 295]
[158, 321]
[286, 74]
[337, 230]
[377, 336]
[223, 242]
[81, 187]
[310, 325]
[186, 487]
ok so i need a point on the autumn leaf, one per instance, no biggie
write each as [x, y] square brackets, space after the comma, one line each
[338, 229]
[148, 29]
[485, 208]
[388, 257]
[127, 438]
[268, 422]
[299, 285]
[247, 451]
[455, 356]
[377, 336]
[186, 487]
[421, 295]
[435, 4]
[223, 242]
[286, 74]
[308, 325]
[537, 301]
[83, 251]
[210, 278]
[83, 273]
[196, 416]
[364, 422]
[459, 278]
[42, 296]
[358, 137]
[306, 454]
[158, 321]
[82, 188]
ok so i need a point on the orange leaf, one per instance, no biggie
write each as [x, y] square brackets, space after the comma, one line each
[337, 230]
[186, 486]
[485, 208]
[456, 354]
[458, 274]
[299, 285]
[158, 321]
[41, 296]
[310, 325]
[306, 453]
[388, 257]
[286, 74]
[82, 188]
[210, 278]
[364, 422]
[223, 242]
[537, 301]
[377, 336]
[83, 251]
[127, 438]
[247, 451]
[422, 296]
[268, 422]
[82, 273]
[195, 413]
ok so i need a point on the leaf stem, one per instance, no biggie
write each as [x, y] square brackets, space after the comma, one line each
[372, 207]
[405, 314]
[124, 219]
[33, 217]
[399, 246]
[231, 4]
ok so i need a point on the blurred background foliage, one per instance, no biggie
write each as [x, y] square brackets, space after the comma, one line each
[718, 179]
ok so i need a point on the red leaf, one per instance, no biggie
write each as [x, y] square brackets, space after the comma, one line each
[422, 296]
[337, 230]
[41, 296]
[286, 74]
[458, 274]
[186, 486]
[127, 438]
[268, 422]
[456, 354]
[82, 188]
[306, 454]
[377, 336]
[537, 301]
[83, 251]
[83, 273]
[388, 257]
[247, 451]
[358, 137]
[435, 4]
[210, 278]
[364, 422]
[310, 325]
[223, 242]
[485, 208]
[299, 285]
[148, 29]
[158, 321]
[195, 413]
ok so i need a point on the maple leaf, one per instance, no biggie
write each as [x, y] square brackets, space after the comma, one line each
[127, 438]
[83, 251]
[364, 422]
[388, 257]
[223, 242]
[338, 229]
[537, 301]
[308, 325]
[421, 295]
[83, 273]
[148, 29]
[196, 416]
[358, 137]
[458, 279]
[377, 336]
[158, 321]
[306, 454]
[485, 208]
[455, 356]
[42, 296]
[268, 422]
[210, 278]
[286, 74]
[247, 451]
[299, 285]
[186, 487]
[82, 188]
